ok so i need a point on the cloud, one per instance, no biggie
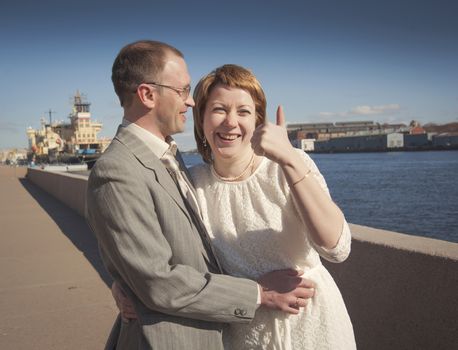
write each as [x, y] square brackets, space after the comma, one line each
[375, 110]
[331, 114]
[365, 111]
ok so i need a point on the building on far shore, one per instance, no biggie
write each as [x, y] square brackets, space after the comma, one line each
[445, 140]
[367, 136]
[369, 143]
[13, 156]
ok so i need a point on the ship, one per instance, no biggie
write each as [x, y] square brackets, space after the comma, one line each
[76, 141]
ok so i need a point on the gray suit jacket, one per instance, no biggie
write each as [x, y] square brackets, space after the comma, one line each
[159, 252]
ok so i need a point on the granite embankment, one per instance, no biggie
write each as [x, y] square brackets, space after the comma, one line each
[401, 291]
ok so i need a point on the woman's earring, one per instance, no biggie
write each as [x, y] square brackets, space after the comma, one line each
[204, 142]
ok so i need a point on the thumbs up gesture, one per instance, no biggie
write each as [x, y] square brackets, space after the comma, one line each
[281, 117]
[271, 140]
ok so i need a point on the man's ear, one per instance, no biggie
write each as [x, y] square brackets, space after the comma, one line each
[147, 95]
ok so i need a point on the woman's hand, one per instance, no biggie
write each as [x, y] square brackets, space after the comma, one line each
[271, 140]
[323, 217]
[125, 306]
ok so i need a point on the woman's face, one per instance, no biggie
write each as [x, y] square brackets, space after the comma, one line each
[229, 122]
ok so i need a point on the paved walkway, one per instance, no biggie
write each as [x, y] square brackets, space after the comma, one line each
[53, 288]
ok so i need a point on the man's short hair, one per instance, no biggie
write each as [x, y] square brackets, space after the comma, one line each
[137, 63]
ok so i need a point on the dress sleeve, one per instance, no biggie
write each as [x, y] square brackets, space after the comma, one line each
[342, 249]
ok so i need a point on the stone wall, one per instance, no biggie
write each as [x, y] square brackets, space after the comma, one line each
[401, 291]
[67, 187]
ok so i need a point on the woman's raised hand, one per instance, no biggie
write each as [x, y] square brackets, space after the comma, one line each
[271, 140]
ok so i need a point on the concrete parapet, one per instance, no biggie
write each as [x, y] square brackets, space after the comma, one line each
[401, 291]
[67, 187]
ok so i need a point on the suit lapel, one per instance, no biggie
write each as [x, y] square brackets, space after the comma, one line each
[152, 162]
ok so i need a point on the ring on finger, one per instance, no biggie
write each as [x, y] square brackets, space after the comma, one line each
[296, 304]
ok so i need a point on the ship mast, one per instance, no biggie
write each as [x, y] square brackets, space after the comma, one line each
[79, 104]
[50, 112]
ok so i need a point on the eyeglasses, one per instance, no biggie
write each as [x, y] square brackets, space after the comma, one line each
[182, 92]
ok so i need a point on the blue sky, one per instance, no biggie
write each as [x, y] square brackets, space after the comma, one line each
[327, 60]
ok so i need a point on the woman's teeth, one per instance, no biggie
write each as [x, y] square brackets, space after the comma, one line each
[228, 137]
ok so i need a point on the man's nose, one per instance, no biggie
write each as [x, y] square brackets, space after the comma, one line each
[190, 101]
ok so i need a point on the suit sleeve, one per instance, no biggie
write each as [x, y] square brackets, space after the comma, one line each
[123, 215]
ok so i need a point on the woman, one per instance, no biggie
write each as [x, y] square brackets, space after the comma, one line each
[267, 207]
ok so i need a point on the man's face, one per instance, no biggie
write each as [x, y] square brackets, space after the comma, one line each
[170, 106]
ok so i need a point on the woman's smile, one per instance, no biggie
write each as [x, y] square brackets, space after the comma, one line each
[229, 122]
[228, 137]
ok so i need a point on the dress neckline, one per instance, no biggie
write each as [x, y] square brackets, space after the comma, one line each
[218, 179]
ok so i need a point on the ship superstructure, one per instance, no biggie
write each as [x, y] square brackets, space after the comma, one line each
[59, 140]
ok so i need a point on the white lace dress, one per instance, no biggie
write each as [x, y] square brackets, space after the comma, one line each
[256, 228]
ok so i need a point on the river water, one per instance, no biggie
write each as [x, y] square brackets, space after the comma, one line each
[409, 192]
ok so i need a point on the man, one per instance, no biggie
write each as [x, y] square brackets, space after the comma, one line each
[150, 235]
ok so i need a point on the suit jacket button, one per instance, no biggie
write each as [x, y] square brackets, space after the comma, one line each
[237, 312]
[243, 312]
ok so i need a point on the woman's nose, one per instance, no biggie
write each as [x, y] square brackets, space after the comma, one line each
[231, 119]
